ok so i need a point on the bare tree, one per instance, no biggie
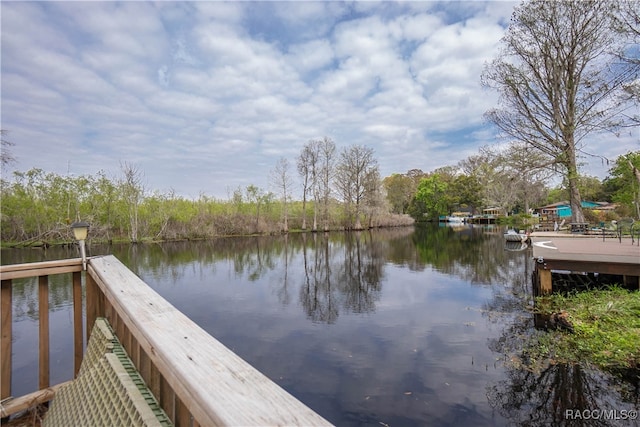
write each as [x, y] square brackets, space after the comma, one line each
[355, 172]
[628, 26]
[528, 169]
[133, 192]
[281, 179]
[374, 198]
[559, 81]
[326, 160]
[6, 158]
[509, 176]
[308, 170]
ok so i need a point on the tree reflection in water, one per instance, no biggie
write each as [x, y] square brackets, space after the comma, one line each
[316, 293]
[552, 397]
[344, 276]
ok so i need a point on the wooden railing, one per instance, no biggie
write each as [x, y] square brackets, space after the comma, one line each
[41, 270]
[196, 379]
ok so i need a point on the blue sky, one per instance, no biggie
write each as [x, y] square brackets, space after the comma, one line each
[204, 97]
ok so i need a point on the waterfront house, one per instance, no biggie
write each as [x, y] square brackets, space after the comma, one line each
[563, 209]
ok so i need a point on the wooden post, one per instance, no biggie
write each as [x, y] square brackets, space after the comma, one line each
[77, 322]
[92, 292]
[145, 367]
[43, 310]
[544, 281]
[183, 416]
[155, 380]
[631, 281]
[5, 341]
[167, 399]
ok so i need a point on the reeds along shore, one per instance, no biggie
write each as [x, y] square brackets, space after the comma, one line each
[186, 220]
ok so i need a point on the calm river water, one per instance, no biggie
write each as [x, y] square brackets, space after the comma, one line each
[396, 327]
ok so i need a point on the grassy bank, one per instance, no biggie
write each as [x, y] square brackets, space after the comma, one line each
[606, 330]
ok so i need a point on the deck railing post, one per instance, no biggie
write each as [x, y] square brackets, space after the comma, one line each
[183, 416]
[77, 322]
[5, 340]
[543, 282]
[91, 295]
[546, 282]
[41, 270]
[43, 315]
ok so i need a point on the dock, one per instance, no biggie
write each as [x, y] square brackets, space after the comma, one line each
[196, 380]
[584, 254]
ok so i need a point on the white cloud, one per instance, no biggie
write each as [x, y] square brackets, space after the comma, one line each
[415, 28]
[206, 96]
[311, 56]
[230, 12]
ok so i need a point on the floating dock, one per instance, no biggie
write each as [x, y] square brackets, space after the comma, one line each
[584, 254]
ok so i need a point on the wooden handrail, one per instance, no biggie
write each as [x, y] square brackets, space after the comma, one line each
[215, 385]
[42, 270]
[197, 380]
[35, 269]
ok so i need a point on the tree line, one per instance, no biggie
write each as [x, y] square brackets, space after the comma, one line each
[340, 190]
[507, 180]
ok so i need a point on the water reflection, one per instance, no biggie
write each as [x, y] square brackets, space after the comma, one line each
[560, 394]
[341, 277]
[400, 327]
[25, 296]
[341, 272]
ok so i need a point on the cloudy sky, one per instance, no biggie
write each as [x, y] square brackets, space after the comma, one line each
[204, 97]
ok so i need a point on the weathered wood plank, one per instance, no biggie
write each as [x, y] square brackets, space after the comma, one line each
[108, 311]
[134, 355]
[545, 283]
[216, 385]
[43, 332]
[21, 274]
[167, 399]
[41, 265]
[92, 293]
[30, 400]
[593, 267]
[77, 323]
[120, 328]
[145, 366]
[5, 338]
[585, 249]
[126, 343]
[33, 269]
[155, 378]
[183, 416]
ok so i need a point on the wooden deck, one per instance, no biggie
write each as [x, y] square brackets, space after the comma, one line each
[583, 253]
[197, 380]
